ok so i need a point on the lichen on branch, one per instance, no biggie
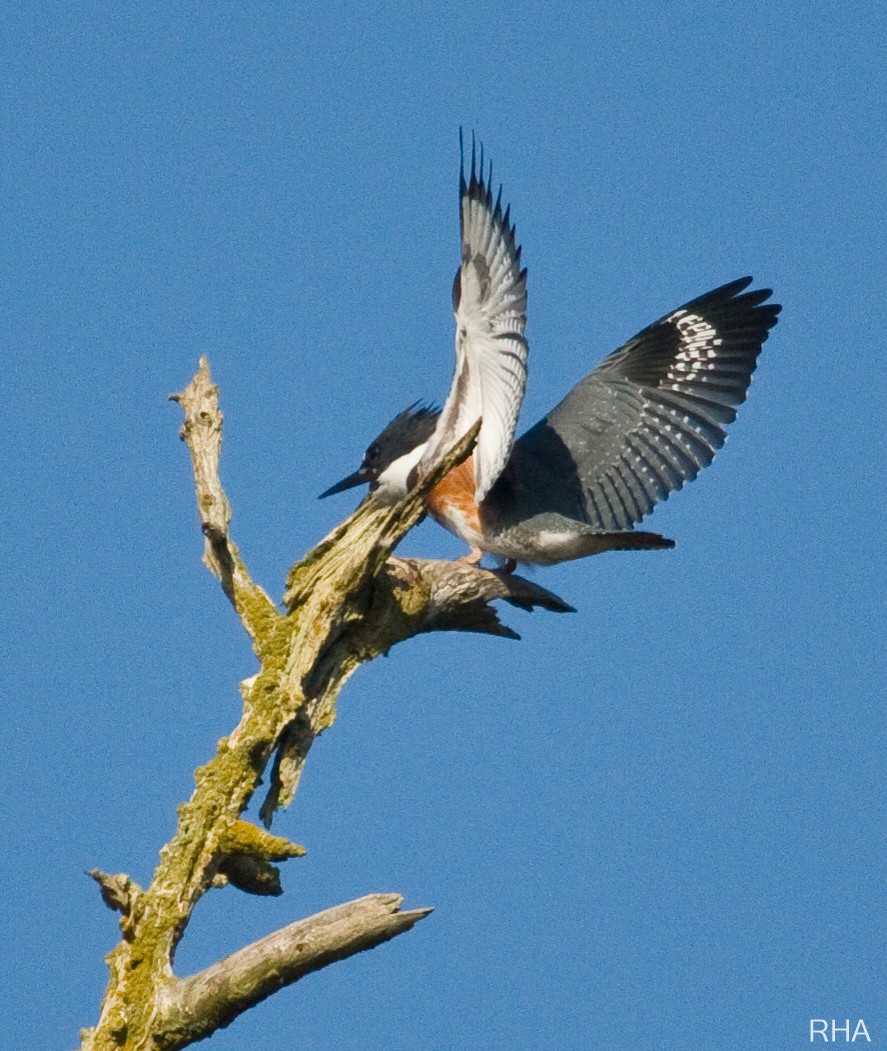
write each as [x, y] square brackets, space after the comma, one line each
[346, 602]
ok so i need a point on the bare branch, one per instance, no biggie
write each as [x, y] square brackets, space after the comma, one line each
[246, 853]
[202, 432]
[118, 892]
[459, 595]
[243, 839]
[195, 1007]
[347, 603]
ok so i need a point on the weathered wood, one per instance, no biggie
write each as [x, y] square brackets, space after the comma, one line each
[347, 602]
[195, 1007]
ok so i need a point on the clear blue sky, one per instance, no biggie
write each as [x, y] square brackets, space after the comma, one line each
[656, 823]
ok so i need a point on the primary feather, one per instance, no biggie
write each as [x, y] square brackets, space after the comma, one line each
[490, 303]
[646, 420]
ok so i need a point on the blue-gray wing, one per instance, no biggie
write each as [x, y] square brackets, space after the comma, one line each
[647, 419]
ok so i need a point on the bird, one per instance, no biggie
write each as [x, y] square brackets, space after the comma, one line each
[639, 426]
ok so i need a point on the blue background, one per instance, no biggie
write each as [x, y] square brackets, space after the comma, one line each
[657, 822]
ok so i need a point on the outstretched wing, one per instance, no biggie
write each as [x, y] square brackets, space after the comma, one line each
[490, 301]
[649, 417]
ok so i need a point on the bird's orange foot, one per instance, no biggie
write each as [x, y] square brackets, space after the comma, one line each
[473, 557]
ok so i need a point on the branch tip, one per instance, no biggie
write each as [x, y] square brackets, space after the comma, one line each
[119, 892]
[198, 1006]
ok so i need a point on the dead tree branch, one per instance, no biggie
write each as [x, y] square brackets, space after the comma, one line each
[346, 602]
[205, 1002]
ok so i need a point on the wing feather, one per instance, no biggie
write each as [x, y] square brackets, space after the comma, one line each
[647, 419]
[490, 303]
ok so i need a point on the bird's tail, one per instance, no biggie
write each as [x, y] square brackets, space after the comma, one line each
[595, 543]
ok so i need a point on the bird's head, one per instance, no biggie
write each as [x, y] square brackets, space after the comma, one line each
[390, 458]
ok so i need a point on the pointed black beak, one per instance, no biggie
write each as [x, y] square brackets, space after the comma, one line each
[360, 477]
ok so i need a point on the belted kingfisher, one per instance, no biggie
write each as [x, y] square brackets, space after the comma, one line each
[644, 422]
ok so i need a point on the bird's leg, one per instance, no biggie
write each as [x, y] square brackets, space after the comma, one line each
[473, 557]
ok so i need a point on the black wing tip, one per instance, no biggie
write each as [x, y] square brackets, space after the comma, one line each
[734, 297]
[478, 186]
[732, 290]
[472, 185]
[463, 186]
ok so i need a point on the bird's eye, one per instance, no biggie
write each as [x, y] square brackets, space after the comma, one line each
[372, 453]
